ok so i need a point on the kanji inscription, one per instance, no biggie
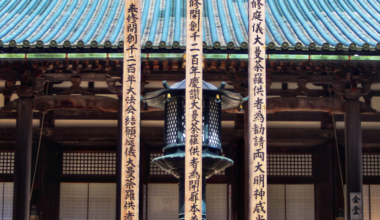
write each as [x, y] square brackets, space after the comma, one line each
[356, 206]
[257, 112]
[193, 159]
[131, 111]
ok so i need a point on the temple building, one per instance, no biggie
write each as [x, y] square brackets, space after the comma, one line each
[61, 67]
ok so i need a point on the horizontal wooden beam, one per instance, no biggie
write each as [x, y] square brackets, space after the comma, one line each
[290, 180]
[292, 116]
[101, 76]
[278, 139]
[82, 102]
[156, 135]
[88, 76]
[70, 114]
[318, 104]
[107, 104]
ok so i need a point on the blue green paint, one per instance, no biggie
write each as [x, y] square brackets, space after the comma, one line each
[177, 56]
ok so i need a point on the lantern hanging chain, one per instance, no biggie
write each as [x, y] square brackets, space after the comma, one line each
[337, 148]
[39, 146]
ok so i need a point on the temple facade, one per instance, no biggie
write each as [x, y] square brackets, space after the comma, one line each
[61, 67]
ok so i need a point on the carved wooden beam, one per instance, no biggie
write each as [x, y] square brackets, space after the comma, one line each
[149, 134]
[101, 67]
[309, 104]
[76, 81]
[176, 75]
[277, 138]
[159, 115]
[287, 78]
[106, 104]
[83, 102]
[89, 76]
[319, 104]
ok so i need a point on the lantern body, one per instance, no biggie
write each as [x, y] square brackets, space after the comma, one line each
[175, 136]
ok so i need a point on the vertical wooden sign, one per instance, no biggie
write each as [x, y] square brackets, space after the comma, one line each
[131, 111]
[193, 149]
[257, 112]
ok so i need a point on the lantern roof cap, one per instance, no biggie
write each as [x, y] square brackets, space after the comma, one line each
[182, 85]
[158, 98]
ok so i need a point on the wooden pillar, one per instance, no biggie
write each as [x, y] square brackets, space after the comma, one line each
[245, 164]
[353, 141]
[23, 157]
[119, 156]
[338, 177]
[238, 172]
[235, 175]
[51, 157]
[144, 172]
[230, 152]
[323, 172]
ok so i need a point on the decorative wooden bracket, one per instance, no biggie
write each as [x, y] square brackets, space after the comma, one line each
[76, 81]
[302, 89]
[340, 86]
[36, 88]
[38, 85]
[349, 78]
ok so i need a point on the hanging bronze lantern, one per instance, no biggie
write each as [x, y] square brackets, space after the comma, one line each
[172, 100]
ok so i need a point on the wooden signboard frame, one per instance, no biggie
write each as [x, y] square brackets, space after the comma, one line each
[193, 103]
[131, 80]
[257, 113]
